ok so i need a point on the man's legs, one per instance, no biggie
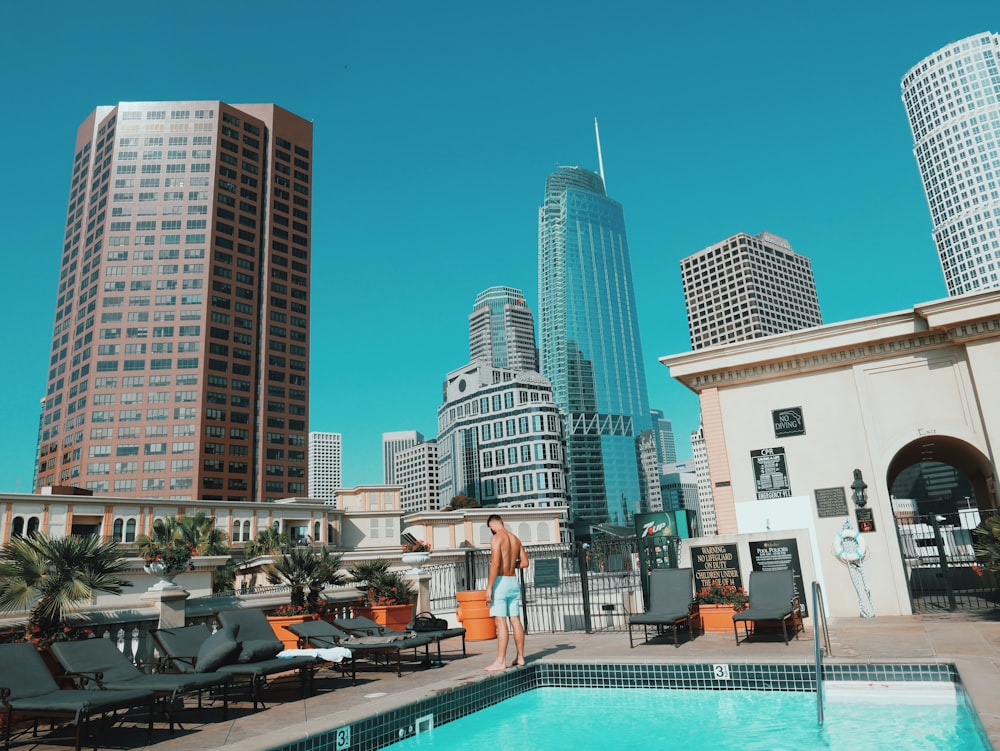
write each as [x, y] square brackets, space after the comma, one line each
[518, 628]
[502, 639]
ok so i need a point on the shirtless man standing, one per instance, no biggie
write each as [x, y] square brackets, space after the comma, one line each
[503, 591]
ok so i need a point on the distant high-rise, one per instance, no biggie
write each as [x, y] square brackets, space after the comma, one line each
[707, 523]
[589, 343]
[324, 465]
[180, 351]
[417, 475]
[952, 100]
[502, 330]
[392, 443]
[746, 287]
[500, 437]
[666, 449]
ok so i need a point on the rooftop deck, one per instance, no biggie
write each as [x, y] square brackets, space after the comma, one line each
[972, 644]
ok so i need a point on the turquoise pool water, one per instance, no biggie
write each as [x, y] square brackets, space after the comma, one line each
[548, 719]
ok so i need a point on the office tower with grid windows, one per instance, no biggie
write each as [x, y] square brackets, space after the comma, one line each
[393, 443]
[325, 458]
[502, 330]
[952, 101]
[589, 345]
[499, 438]
[746, 287]
[417, 476]
[180, 348]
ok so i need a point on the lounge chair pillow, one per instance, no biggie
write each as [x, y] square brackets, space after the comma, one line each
[254, 650]
[217, 650]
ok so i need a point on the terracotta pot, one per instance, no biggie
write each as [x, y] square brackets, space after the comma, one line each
[716, 618]
[395, 617]
[278, 623]
[474, 614]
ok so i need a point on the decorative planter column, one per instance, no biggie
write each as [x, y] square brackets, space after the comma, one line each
[415, 561]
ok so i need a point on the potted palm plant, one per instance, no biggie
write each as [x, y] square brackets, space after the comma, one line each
[51, 576]
[306, 572]
[387, 597]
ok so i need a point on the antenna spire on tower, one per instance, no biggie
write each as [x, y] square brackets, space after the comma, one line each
[600, 159]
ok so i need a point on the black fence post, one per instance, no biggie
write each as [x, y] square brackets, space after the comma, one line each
[581, 559]
[470, 570]
[943, 562]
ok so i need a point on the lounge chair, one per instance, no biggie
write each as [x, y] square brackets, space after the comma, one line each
[772, 598]
[362, 626]
[195, 649]
[393, 644]
[31, 691]
[100, 661]
[671, 603]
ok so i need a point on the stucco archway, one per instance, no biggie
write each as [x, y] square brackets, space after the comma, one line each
[965, 458]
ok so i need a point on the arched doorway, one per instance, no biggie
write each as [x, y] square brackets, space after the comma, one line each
[941, 487]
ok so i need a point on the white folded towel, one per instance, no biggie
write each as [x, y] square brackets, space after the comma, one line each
[329, 654]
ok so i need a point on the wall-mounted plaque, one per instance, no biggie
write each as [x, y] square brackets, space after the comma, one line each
[788, 421]
[547, 572]
[866, 519]
[830, 502]
[770, 473]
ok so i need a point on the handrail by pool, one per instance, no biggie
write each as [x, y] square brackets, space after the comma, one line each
[821, 627]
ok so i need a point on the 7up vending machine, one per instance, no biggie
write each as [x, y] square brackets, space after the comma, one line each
[656, 543]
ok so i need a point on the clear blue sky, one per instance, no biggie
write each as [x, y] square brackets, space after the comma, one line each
[436, 124]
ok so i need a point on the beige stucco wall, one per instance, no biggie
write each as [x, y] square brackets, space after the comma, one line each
[869, 390]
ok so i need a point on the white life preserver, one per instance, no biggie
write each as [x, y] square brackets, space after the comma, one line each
[860, 551]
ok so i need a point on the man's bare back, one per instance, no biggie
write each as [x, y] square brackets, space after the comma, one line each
[509, 551]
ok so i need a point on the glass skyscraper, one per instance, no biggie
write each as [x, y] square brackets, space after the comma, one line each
[589, 344]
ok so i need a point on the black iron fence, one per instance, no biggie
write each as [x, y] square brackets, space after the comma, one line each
[566, 587]
[940, 563]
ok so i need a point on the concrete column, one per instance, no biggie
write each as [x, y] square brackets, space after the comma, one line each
[422, 583]
[171, 603]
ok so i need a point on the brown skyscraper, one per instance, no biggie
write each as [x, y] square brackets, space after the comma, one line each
[180, 350]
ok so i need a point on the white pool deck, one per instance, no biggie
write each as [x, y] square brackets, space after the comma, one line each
[971, 643]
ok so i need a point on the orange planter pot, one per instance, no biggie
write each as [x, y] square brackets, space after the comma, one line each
[474, 614]
[278, 623]
[716, 618]
[395, 617]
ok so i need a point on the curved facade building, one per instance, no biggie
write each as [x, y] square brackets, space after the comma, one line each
[952, 100]
[589, 343]
[502, 330]
[500, 438]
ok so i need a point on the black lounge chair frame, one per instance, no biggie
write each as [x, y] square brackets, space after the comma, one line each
[324, 634]
[100, 662]
[671, 604]
[35, 694]
[772, 598]
[361, 626]
[179, 647]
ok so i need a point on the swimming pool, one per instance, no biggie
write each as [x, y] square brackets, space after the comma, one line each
[549, 719]
[721, 684]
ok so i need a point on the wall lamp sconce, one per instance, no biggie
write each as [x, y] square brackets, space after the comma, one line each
[859, 486]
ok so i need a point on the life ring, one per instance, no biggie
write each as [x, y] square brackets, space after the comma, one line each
[860, 551]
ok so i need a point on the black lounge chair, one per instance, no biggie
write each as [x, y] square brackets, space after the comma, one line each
[772, 598]
[393, 644]
[99, 661]
[31, 691]
[671, 603]
[361, 626]
[195, 649]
